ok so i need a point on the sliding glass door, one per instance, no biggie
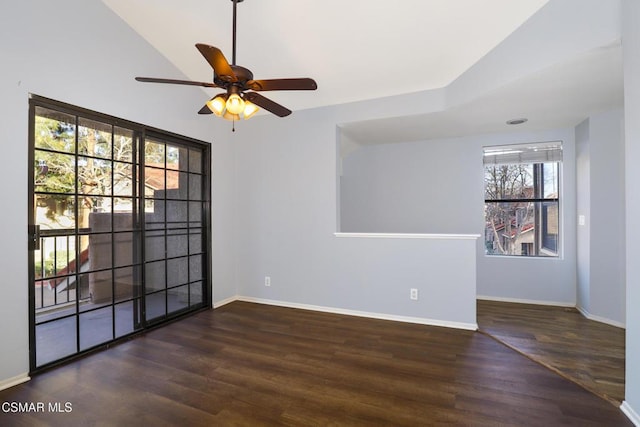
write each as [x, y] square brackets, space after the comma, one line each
[174, 228]
[118, 227]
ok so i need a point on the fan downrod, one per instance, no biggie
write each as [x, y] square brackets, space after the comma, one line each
[235, 13]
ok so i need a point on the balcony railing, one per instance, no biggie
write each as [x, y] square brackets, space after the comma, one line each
[56, 270]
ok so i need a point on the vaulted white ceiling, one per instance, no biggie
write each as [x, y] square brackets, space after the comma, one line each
[367, 49]
[355, 50]
[558, 96]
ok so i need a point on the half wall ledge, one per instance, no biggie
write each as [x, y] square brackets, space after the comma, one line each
[409, 236]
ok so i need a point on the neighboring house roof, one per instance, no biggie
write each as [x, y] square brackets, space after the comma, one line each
[525, 228]
[154, 176]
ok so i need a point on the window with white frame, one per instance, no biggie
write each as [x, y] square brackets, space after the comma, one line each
[522, 199]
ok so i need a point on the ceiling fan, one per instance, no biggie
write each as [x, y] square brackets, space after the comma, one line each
[240, 99]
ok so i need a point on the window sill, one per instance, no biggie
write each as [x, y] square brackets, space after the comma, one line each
[557, 258]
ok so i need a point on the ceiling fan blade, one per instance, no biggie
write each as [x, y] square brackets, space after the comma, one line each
[205, 110]
[267, 104]
[283, 84]
[176, 82]
[218, 62]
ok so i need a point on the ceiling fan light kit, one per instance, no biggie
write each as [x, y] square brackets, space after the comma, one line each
[240, 101]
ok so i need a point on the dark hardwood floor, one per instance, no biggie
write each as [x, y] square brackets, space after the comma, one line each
[590, 353]
[252, 365]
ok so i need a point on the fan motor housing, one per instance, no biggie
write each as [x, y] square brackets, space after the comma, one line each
[243, 74]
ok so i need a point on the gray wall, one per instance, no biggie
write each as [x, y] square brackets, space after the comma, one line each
[437, 187]
[583, 202]
[631, 52]
[418, 187]
[286, 205]
[600, 197]
[83, 54]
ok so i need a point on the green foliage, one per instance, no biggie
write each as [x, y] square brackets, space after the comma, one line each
[91, 159]
[60, 260]
[52, 168]
[59, 171]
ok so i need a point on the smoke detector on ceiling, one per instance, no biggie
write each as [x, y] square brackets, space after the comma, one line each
[517, 121]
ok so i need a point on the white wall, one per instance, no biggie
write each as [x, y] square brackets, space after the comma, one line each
[437, 186]
[83, 54]
[631, 55]
[601, 194]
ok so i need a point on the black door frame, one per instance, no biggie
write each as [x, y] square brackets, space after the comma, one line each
[140, 133]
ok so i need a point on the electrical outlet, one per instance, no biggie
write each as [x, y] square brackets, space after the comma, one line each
[413, 294]
[267, 281]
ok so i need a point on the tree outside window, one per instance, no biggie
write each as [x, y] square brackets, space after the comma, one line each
[522, 200]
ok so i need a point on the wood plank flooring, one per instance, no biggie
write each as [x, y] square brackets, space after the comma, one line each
[590, 353]
[254, 365]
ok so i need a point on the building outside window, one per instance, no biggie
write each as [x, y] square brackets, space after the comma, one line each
[522, 199]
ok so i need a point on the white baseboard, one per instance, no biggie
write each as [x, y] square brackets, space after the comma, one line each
[18, 379]
[225, 301]
[381, 316]
[600, 319]
[630, 413]
[527, 301]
